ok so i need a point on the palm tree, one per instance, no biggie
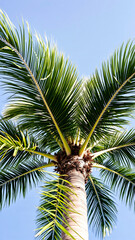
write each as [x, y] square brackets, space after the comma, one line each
[71, 125]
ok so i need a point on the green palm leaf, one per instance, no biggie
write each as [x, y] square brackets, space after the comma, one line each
[54, 204]
[11, 139]
[101, 207]
[121, 179]
[17, 146]
[104, 103]
[17, 180]
[42, 85]
[120, 146]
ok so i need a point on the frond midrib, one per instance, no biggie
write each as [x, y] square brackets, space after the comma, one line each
[66, 146]
[82, 149]
[100, 205]
[96, 165]
[33, 170]
[94, 155]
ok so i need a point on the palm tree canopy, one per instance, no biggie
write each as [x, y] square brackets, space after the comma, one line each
[56, 112]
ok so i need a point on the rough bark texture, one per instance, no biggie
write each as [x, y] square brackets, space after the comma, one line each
[78, 222]
[74, 161]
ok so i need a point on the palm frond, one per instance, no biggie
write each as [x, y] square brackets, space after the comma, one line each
[109, 97]
[10, 139]
[121, 179]
[55, 203]
[43, 87]
[17, 180]
[101, 207]
[120, 146]
[17, 146]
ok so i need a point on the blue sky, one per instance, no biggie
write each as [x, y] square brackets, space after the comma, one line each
[87, 32]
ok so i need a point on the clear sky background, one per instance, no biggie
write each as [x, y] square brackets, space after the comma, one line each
[88, 31]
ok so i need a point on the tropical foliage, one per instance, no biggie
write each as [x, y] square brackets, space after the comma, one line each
[50, 110]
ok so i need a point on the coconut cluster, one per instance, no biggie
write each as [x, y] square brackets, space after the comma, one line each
[74, 161]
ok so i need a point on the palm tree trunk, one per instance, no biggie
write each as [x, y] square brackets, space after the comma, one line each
[77, 220]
